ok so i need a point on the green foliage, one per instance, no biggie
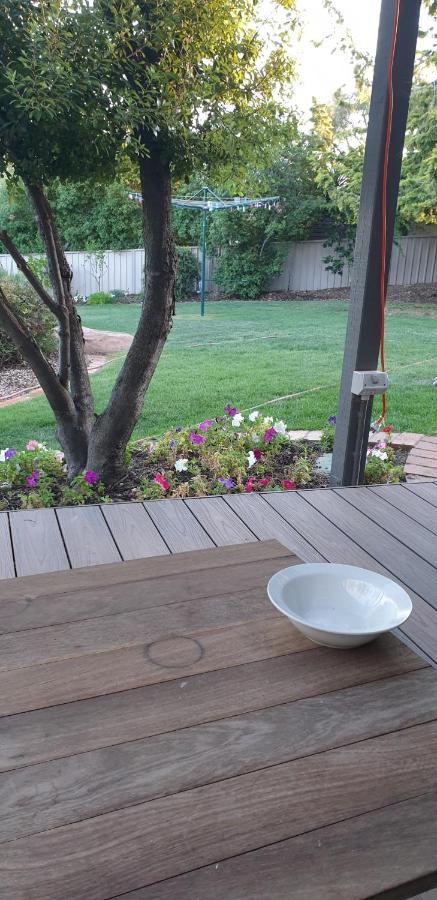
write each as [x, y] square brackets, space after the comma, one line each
[379, 472]
[186, 274]
[244, 271]
[38, 318]
[327, 440]
[100, 298]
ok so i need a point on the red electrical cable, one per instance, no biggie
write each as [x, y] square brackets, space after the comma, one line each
[384, 200]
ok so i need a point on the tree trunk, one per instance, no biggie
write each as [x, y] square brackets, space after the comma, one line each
[113, 428]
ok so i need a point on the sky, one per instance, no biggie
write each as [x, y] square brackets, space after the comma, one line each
[321, 70]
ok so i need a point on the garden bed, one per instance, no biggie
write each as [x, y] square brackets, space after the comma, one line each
[231, 453]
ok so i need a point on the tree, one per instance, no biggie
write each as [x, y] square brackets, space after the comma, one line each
[79, 81]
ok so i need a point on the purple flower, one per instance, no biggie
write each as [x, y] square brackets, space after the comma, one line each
[206, 424]
[32, 480]
[227, 482]
[10, 453]
[178, 428]
[91, 477]
[269, 434]
[195, 438]
[230, 410]
[172, 444]
[332, 420]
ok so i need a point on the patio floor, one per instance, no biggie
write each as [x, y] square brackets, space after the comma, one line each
[389, 528]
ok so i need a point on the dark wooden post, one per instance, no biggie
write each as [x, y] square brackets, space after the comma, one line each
[363, 330]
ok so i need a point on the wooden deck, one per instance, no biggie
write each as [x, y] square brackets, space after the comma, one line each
[391, 529]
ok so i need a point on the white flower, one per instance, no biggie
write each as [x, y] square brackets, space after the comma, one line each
[380, 454]
[251, 459]
[253, 416]
[2, 455]
[237, 420]
[268, 421]
[280, 427]
[181, 465]
[59, 455]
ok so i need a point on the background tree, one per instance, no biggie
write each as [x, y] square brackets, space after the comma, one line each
[78, 80]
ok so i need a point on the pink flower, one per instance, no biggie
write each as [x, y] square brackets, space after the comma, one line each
[32, 445]
[32, 480]
[90, 477]
[263, 482]
[257, 454]
[206, 424]
[288, 485]
[196, 438]
[158, 479]
[248, 487]
[269, 434]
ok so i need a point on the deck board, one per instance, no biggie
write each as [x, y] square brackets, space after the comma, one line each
[37, 542]
[133, 530]
[7, 568]
[87, 537]
[219, 521]
[181, 529]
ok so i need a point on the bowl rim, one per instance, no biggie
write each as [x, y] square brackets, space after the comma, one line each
[321, 567]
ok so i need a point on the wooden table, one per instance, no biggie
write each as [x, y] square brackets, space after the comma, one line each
[167, 735]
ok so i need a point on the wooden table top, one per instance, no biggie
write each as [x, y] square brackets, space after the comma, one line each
[167, 735]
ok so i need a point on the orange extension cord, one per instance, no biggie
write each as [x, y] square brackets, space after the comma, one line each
[381, 419]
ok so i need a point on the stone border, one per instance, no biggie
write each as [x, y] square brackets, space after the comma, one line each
[400, 440]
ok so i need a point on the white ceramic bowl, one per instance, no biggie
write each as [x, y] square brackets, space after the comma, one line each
[339, 606]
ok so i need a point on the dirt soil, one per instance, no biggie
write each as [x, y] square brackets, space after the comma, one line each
[406, 293]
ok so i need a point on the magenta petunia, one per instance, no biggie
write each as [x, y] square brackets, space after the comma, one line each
[230, 410]
[257, 454]
[263, 482]
[248, 487]
[196, 438]
[269, 434]
[32, 479]
[206, 424]
[288, 485]
[158, 479]
[90, 477]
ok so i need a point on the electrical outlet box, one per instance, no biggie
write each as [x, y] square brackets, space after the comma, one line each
[366, 384]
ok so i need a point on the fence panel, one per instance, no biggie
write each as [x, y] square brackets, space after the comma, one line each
[414, 261]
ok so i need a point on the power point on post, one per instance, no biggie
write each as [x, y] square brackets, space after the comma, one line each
[367, 384]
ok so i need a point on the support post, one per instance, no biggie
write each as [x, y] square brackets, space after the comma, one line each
[203, 270]
[363, 334]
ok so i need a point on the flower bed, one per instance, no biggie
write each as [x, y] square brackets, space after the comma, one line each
[231, 453]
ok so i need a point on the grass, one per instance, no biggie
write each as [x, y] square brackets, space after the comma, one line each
[250, 353]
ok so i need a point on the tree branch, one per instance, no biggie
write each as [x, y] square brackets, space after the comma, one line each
[58, 397]
[22, 266]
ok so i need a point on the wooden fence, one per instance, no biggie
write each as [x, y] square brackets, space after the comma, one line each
[414, 261]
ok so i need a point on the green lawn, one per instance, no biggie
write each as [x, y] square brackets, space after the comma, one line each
[250, 353]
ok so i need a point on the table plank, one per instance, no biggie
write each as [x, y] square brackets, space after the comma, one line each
[129, 715]
[110, 854]
[177, 524]
[133, 530]
[222, 525]
[55, 793]
[74, 606]
[87, 536]
[91, 577]
[396, 845]
[266, 523]
[178, 621]
[37, 542]
[7, 568]
[410, 504]
[48, 684]
[398, 525]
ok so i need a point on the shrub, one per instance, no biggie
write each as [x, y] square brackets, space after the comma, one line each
[186, 274]
[100, 298]
[37, 317]
[244, 272]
